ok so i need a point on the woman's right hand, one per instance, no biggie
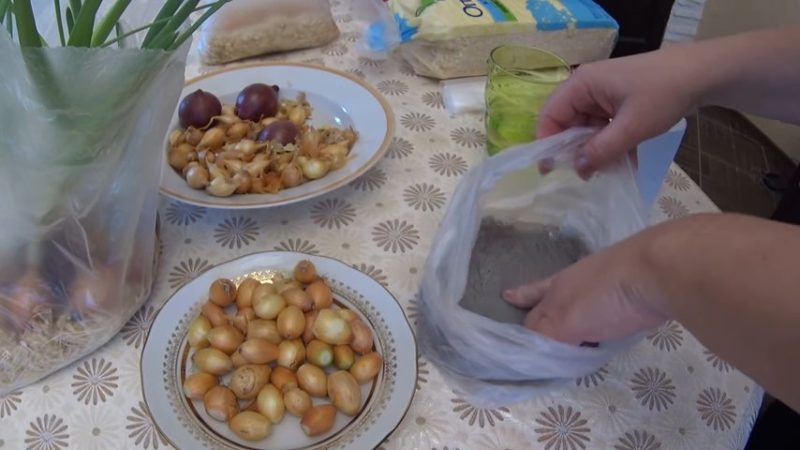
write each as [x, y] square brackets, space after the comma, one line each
[635, 98]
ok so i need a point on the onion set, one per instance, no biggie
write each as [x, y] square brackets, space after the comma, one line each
[260, 350]
[260, 145]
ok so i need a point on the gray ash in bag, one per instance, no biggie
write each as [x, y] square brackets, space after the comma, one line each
[507, 256]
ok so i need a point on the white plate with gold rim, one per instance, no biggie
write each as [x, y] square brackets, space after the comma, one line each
[184, 423]
[337, 99]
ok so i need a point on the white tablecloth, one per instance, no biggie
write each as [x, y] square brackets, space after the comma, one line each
[666, 393]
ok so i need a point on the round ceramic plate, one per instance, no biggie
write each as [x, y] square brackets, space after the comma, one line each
[337, 99]
[166, 361]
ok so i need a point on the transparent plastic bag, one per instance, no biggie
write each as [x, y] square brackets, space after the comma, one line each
[245, 28]
[81, 134]
[498, 363]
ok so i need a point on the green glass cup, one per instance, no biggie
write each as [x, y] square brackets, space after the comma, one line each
[520, 81]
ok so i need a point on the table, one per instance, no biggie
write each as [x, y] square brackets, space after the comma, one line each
[668, 392]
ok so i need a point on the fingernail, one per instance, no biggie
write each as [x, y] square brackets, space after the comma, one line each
[508, 294]
[546, 166]
[582, 164]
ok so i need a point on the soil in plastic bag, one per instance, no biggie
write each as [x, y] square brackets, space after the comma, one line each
[506, 256]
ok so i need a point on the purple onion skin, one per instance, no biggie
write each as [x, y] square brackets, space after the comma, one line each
[282, 131]
[197, 109]
[256, 102]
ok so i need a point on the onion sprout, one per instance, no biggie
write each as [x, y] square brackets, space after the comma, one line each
[165, 32]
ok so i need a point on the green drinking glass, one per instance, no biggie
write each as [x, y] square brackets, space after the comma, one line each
[520, 81]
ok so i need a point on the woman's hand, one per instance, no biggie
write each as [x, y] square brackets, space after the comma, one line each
[636, 98]
[611, 294]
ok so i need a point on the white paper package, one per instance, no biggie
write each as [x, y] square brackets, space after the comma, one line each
[245, 28]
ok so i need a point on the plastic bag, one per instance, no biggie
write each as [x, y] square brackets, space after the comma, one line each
[82, 138]
[498, 363]
[453, 38]
[245, 28]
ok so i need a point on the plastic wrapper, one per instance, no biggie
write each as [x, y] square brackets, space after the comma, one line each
[495, 360]
[82, 137]
[453, 38]
[245, 28]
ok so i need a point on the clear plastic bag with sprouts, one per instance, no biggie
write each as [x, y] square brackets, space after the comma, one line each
[507, 224]
[81, 134]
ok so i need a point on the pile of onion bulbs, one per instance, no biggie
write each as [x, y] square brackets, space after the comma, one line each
[262, 144]
[262, 350]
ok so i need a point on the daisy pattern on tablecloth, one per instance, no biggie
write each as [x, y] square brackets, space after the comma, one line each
[593, 379]
[347, 245]
[433, 99]
[424, 197]
[48, 432]
[129, 367]
[97, 428]
[412, 310]
[95, 380]
[351, 36]
[406, 69]
[369, 62]
[48, 396]
[716, 409]
[476, 416]
[717, 362]
[400, 148]
[184, 248]
[638, 440]
[336, 50]
[392, 87]
[374, 179]
[424, 426]
[678, 181]
[182, 214]
[667, 337]
[134, 332]
[468, 137]
[374, 272]
[236, 231]
[186, 271]
[610, 408]
[142, 429]
[344, 18]
[297, 245]
[423, 372]
[653, 389]
[448, 164]
[406, 272]
[672, 207]
[679, 429]
[562, 427]
[395, 236]
[416, 121]
[357, 72]
[333, 212]
[9, 403]
[505, 438]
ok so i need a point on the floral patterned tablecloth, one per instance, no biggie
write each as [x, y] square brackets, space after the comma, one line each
[668, 392]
